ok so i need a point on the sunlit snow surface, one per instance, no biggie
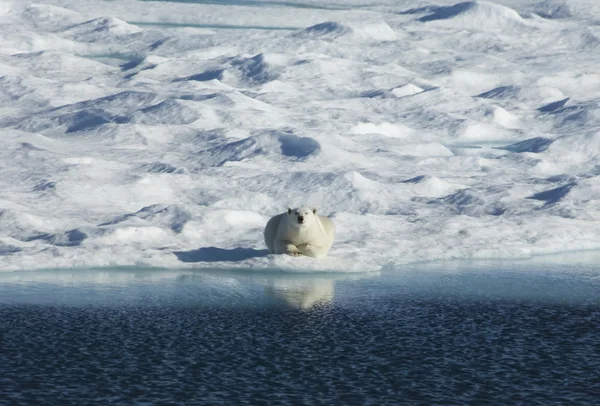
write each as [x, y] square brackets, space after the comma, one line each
[166, 134]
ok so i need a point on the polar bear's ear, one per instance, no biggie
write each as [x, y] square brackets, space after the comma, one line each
[314, 210]
[289, 211]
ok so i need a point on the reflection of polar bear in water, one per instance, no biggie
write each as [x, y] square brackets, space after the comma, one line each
[303, 294]
[300, 231]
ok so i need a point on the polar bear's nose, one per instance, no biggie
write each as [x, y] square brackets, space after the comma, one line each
[300, 219]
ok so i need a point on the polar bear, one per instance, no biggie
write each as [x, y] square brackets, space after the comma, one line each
[300, 231]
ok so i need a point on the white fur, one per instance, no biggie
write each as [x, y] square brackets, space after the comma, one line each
[284, 234]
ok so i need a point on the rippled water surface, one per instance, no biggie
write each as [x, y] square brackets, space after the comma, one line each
[456, 334]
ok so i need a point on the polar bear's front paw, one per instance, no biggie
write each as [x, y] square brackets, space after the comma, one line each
[292, 250]
[305, 249]
[311, 250]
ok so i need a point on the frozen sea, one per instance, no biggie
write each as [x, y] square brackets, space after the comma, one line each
[449, 333]
[166, 134]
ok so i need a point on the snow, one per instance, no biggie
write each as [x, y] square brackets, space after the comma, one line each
[166, 134]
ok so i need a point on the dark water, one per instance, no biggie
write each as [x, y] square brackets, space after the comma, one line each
[437, 336]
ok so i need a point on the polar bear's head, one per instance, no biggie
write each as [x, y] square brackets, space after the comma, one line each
[301, 216]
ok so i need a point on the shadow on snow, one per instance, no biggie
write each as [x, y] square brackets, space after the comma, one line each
[214, 254]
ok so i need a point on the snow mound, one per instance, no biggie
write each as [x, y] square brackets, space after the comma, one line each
[550, 107]
[539, 94]
[474, 131]
[54, 64]
[127, 101]
[5, 7]
[173, 217]
[327, 29]
[48, 17]
[211, 74]
[388, 129]
[576, 149]
[101, 29]
[553, 9]
[159, 167]
[573, 116]
[425, 149]
[553, 196]
[430, 186]
[171, 112]
[71, 238]
[6, 249]
[376, 31]
[367, 31]
[502, 117]
[535, 145]
[567, 9]
[478, 15]
[501, 93]
[137, 65]
[19, 225]
[88, 115]
[406, 90]
[255, 70]
[276, 145]
[471, 202]
[587, 39]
